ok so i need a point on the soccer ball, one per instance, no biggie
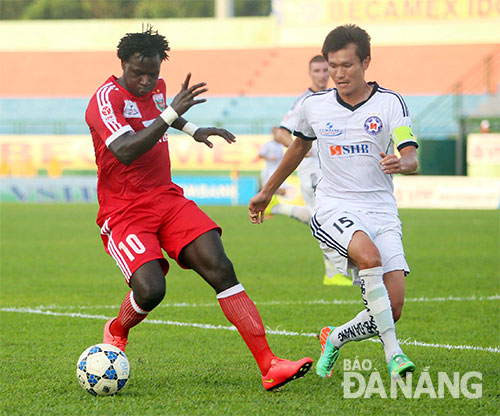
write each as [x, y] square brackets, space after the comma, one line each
[102, 369]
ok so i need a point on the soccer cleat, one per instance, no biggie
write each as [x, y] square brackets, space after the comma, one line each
[109, 338]
[274, 201]
[329, 353]
[400, 365]
[283, 371]
[337, 280]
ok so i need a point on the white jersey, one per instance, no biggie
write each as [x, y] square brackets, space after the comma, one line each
[310, 164]
[349, 142]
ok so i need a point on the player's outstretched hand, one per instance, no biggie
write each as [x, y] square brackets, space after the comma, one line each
[390, 163]
[201, 135]
[257, 206]
[186, 97]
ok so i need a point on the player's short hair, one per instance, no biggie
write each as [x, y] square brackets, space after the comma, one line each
[342, 36]
[147, 43]
[316, 58]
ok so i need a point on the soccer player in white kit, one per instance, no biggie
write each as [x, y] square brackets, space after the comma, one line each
[309, 172]
[356, 125]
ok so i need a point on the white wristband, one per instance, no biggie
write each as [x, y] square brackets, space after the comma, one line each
[169, 115]
[190, 128]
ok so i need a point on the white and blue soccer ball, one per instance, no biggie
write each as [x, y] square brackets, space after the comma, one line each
[103, 369]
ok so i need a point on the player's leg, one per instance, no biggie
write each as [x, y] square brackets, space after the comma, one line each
[363, 252]
[133, 244]
[395, 284]
[147, 291]
[206, 256]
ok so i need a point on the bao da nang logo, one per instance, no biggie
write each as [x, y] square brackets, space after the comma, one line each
[329, 130]
[362, 380]
[373, 125]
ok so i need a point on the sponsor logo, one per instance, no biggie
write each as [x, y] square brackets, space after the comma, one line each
[349, 150]
[329, 130]
[269, 381]
[131, 110]
[107, 113]
[373, 125]
[159, 101]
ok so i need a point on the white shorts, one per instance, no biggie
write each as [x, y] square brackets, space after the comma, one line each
[334, 230]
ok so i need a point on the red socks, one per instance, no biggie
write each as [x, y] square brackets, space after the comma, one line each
[242, 313]
[129, 316]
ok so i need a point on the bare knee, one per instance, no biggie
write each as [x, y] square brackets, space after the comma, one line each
[148, 285]
[363, 252]
[221, 274]
[368, 258]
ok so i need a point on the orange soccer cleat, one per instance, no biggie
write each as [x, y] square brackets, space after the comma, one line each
[283, 371]
[109, 338]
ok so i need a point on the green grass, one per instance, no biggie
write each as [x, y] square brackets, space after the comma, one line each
[52, 256]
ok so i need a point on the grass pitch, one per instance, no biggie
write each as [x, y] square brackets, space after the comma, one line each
[58, 287]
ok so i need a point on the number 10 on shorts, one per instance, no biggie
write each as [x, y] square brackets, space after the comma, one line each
[133, 244]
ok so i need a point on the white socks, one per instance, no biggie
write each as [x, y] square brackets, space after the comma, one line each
[357, 329]
[378, 306]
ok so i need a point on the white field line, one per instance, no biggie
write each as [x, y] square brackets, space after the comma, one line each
[282, 302]
[232, 328]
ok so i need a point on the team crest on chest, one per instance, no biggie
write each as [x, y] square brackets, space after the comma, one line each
[373, 125]
[131, 110]
[159, 101]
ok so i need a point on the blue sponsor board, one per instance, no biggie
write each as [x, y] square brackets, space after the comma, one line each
[218, 190]
[204, 190]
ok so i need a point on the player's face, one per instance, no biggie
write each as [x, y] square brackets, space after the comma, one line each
[347, 71]
[319, 75]
[140, 74]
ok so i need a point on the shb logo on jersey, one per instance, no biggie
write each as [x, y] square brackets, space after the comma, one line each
[373, 125]
[131, 110]
[349, 150]
[159, 101]
[330, 130]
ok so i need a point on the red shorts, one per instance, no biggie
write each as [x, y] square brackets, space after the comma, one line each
[165, 220]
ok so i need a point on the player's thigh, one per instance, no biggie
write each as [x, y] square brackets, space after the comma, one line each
[334, 230]
[183, 226]
[132, 243]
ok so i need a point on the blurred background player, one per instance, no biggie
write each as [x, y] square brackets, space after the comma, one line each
[309, 172]
[141, 211]
[271, 152]
[357, 124]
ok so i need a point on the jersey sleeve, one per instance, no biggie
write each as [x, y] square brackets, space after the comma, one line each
[303, 128]
[400, 124]
[105, 114]
[291, 118]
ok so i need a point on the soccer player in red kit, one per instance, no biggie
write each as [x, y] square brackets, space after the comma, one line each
[142, 211]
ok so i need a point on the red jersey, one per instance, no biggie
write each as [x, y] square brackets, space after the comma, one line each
[113, 111]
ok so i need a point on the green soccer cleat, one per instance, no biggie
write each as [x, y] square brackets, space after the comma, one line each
[329, 353]
[400, 365]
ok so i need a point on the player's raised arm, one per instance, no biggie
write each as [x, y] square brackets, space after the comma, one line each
[131, 145]
[288, 164]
